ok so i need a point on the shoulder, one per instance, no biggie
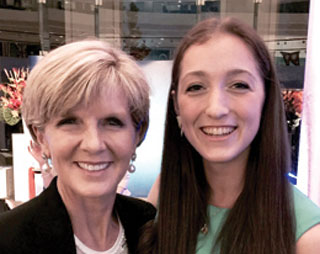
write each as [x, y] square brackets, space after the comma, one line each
[307, 213]
[129, 207]
[31, 210]
[17, 226]
[309, 242]
[18, 217]
[32, 226]
[134, 214]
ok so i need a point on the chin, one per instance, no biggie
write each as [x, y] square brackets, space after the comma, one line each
[97, 192]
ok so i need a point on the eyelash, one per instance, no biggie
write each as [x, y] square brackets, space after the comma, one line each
[114, 122]
[242, 84]
[67, 121]
[194, 87]
[109, 121]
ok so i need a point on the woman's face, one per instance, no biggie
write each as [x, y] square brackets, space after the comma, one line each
[91, 147]
[220, 98]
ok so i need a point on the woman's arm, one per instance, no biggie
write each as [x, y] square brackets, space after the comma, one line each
[154, 192]
[309, 242]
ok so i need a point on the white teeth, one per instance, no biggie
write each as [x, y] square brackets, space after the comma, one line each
[218, 131]
[91, 167]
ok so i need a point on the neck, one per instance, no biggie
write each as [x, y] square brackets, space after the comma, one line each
[226, 181]
[92, 219]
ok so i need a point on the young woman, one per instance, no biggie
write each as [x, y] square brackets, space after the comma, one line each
[223, 185]
[87, 105]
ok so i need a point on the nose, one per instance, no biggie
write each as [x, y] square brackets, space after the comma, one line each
[92, 140]
[217, 105]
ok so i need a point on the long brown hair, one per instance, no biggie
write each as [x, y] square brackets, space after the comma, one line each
[262, 218]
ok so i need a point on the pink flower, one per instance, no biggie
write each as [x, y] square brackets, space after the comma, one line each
[13, 90]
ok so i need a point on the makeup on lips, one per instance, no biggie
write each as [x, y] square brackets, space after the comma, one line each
[93, 166]
[218, 131]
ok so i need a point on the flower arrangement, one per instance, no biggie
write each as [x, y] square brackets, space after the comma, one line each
[10, 101]
[293, 106]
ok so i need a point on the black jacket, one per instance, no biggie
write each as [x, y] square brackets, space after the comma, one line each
[42, 225]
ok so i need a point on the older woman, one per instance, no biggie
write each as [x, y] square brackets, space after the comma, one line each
[87, 105]
[223, 185]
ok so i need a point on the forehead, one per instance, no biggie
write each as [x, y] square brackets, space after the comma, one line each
[221, 53]
[109, 98]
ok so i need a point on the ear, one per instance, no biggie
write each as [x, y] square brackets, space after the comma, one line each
[41, 140]
[140, 136]
[174, 96]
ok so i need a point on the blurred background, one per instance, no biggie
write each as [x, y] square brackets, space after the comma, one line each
[148, 30]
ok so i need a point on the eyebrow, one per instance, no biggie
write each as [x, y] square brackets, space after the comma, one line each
[193, 73]
[67, 113]
[241, 71]
[232, 72]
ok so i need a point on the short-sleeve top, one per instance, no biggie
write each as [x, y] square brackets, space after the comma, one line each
[306, 212]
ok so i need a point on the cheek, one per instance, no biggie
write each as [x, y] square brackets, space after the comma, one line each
[60, 148]
[188, 110]
[254, 117]
[46, 148]
[123, 145]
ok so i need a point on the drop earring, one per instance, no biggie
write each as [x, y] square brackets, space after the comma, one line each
[45, 167]
[132, 167]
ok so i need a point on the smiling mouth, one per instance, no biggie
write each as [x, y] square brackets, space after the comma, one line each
[93, 167]
[218, 131]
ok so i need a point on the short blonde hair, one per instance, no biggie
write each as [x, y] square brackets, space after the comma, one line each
[77, 73]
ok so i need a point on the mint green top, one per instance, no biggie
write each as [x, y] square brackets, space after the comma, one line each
[307, 216]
